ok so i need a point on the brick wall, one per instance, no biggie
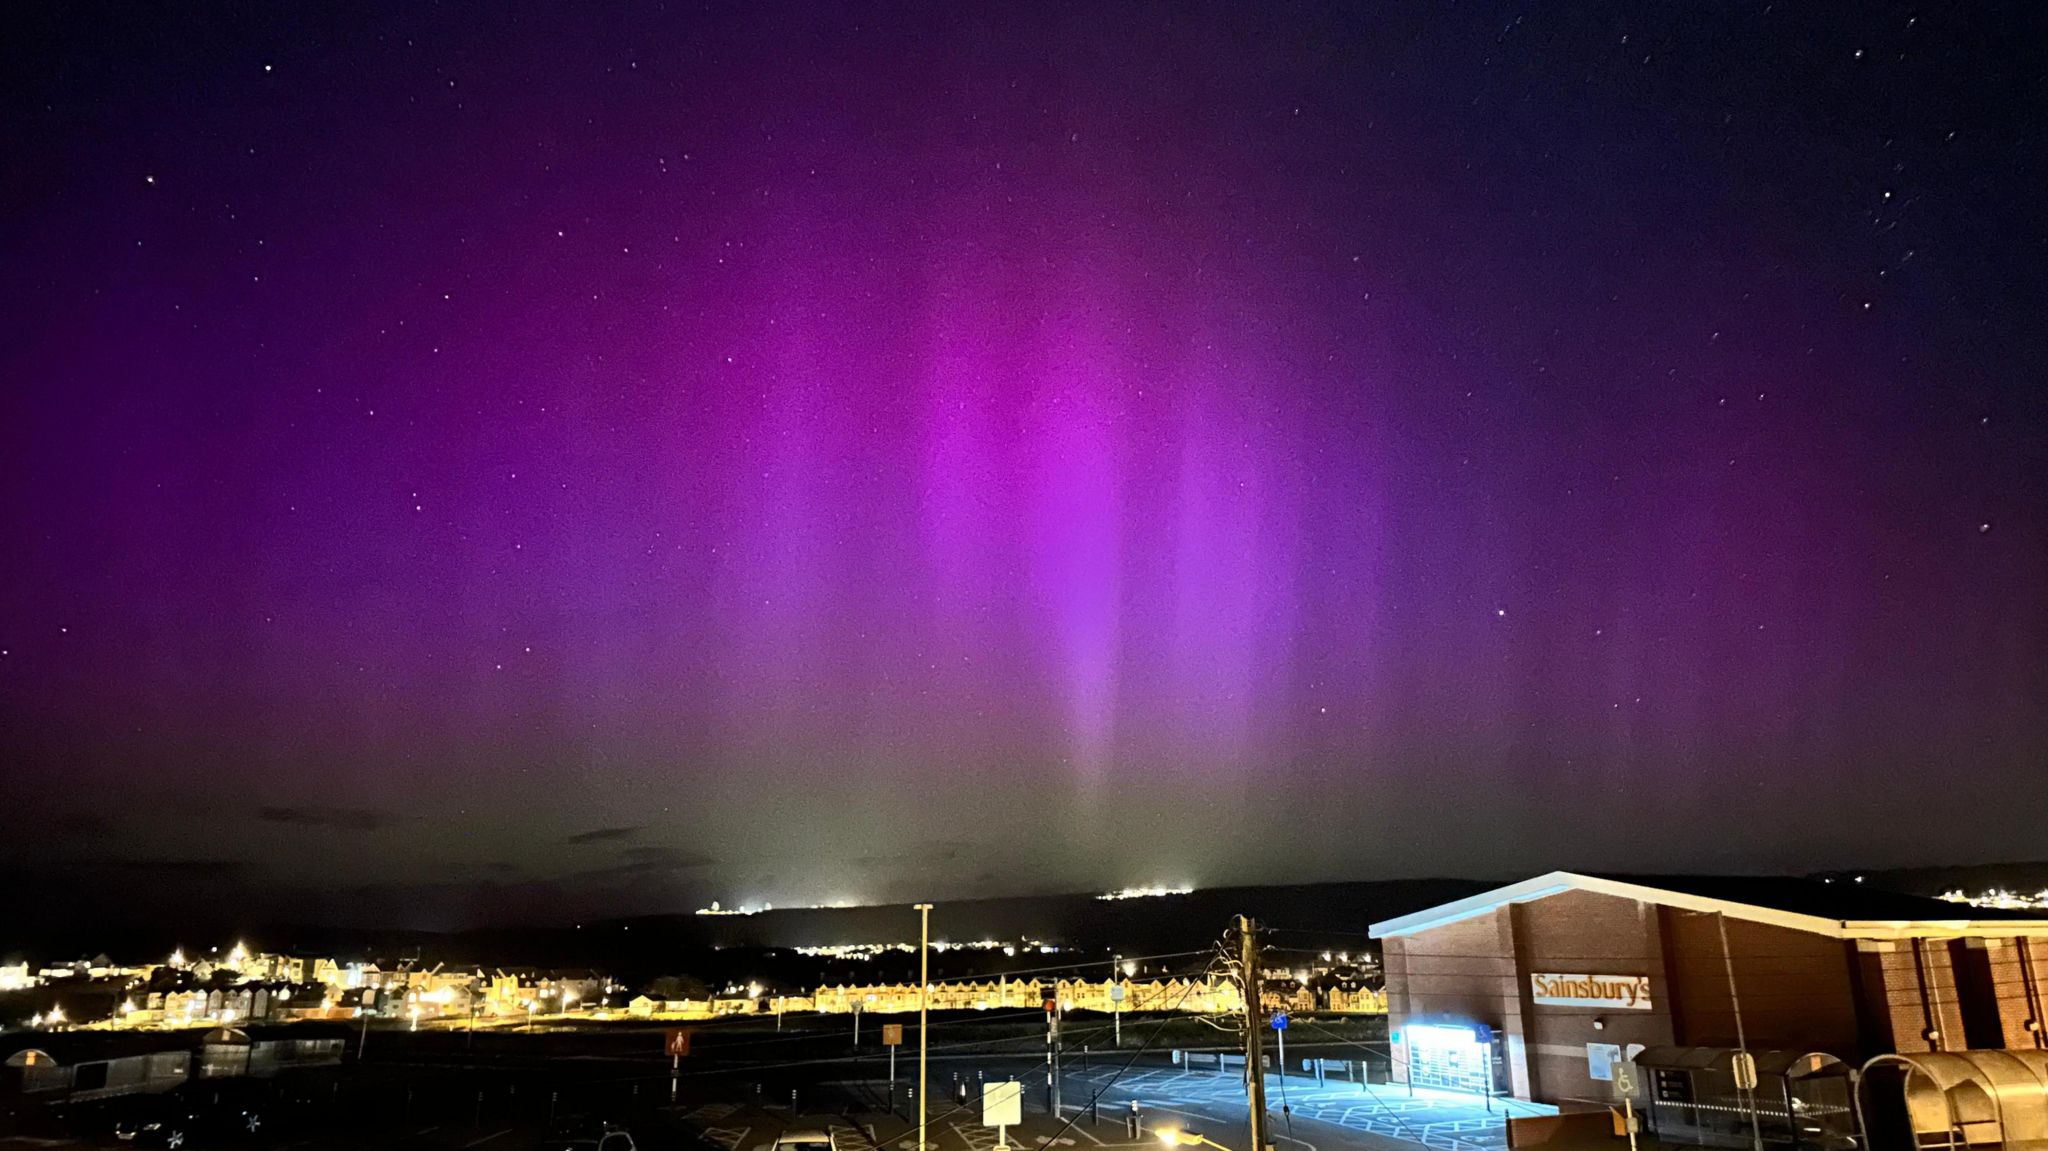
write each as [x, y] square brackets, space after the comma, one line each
[1797, 988]
[2008, 958]
[1460, 971]
[1577, 932]
[1908, 986]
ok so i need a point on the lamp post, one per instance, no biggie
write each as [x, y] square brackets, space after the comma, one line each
[924, 995]
[1117, 993]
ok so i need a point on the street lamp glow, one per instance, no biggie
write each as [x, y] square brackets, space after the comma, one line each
[1174, 1137]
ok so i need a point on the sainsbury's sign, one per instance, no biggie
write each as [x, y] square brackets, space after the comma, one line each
[1628, 992]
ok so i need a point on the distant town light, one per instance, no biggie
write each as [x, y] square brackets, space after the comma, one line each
[1144, 893]
[2001, 900]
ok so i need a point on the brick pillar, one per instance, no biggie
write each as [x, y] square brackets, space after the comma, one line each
[1522, 1078]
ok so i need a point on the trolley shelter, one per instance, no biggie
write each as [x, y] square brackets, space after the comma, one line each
[1801, 1099]
[1954, 1100]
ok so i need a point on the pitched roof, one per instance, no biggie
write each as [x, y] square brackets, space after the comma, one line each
[1841, 910]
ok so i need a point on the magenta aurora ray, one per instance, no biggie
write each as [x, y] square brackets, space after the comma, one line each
[940, 451]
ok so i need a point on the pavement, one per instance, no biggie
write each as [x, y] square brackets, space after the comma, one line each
[1333, 1115]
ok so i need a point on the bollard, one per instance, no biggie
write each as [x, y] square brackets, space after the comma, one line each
[1133, 1127]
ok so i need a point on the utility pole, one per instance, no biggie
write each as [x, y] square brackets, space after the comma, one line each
[1745, 1071]
[924, 995]
[1254, 1057]
[1055, 1009]
[1118, 989]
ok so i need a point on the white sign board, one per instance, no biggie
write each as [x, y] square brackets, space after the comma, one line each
[1601, 1059]
[1002, 1104]
[1116, 993]
[1623, 992]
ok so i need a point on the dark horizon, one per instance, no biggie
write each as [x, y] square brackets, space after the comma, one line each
[316, 922]
[578, 464]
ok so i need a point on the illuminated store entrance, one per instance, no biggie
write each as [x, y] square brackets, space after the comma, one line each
[1450, 1058]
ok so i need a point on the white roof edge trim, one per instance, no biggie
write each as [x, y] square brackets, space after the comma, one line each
[1555, 882]
[1549, 883]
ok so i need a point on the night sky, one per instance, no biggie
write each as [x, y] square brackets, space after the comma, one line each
[463, 463]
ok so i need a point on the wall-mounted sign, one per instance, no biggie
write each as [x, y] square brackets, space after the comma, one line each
[1626, 992]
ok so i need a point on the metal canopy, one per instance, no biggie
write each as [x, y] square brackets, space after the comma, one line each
[1976, 1097]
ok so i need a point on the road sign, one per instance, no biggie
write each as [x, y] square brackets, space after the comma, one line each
[678, 1042]
[1002, 1104]
[1279, 1021]
[1116, 993]
[1624, 1079]
[892, 1035]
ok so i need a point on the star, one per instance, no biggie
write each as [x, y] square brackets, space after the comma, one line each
[1500, 612]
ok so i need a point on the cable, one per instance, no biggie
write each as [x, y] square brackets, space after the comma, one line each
[1096, 1098]
[1323, 931]
[1076, 966]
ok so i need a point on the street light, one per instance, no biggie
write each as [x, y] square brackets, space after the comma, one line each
[924, 994]
[1177, 1138]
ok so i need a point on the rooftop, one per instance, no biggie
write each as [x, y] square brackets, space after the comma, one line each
[1842, 909]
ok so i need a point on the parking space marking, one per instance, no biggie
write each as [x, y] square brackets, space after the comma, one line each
[977, 1138]
[487, 1138]
[726, 1137]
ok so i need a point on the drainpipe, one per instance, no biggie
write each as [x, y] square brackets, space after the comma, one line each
[2030, 980]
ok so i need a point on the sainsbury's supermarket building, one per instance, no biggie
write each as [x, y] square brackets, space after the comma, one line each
[1536, 989]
